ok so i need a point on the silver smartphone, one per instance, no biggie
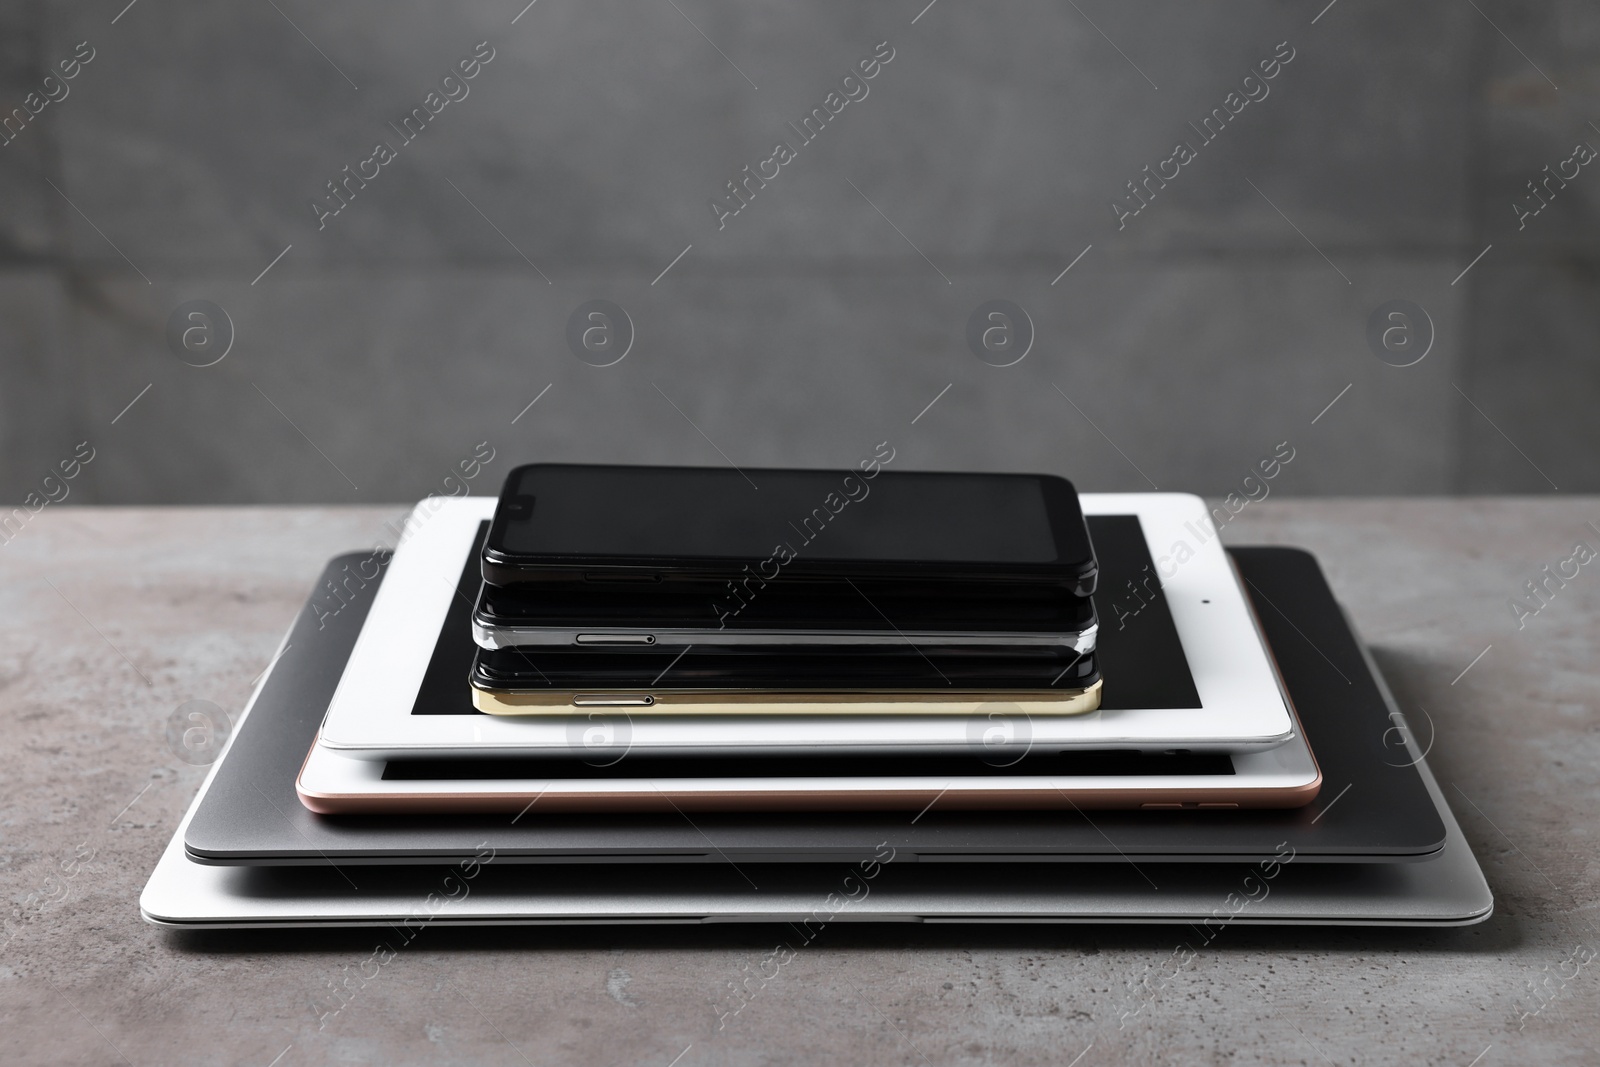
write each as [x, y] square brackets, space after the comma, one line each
[846, 616]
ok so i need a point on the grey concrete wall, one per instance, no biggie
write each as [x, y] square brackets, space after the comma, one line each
[423, 317]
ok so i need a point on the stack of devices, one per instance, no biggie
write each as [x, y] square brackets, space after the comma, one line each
[749, 685]
[679, 593]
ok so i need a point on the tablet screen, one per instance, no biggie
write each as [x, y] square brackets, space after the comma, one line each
[1141, 658]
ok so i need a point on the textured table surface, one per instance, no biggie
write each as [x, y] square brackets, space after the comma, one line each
[113, 618]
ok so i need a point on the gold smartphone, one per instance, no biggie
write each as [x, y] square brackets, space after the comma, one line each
[695, 681]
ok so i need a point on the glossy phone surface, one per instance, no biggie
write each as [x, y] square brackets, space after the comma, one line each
[714, 529]
[840, 615]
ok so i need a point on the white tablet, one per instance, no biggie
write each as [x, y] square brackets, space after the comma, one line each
[1282, 777]
[1169, 600]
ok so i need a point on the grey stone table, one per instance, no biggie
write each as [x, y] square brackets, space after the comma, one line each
[113, 618]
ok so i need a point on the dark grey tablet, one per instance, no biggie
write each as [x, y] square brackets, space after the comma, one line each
[1374, 805]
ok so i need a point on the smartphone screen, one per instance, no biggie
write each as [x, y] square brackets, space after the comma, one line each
[806, 521]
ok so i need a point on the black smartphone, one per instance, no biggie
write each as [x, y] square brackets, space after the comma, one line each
[820, 615]
[723, 531]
